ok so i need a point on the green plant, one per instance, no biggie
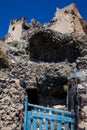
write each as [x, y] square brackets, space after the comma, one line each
[4, 63]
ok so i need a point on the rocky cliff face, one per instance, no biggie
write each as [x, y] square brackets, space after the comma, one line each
[40, 62]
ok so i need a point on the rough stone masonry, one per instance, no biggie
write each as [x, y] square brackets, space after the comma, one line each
[42, 56]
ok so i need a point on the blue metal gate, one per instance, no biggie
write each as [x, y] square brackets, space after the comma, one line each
[45, 118]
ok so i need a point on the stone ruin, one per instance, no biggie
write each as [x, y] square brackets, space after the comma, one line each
[67, 20]
[15, 29]
[41, 58]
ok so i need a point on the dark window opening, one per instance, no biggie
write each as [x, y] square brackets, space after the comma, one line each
[25, 27]
[13, 28]
[32, 96]
[66, 12]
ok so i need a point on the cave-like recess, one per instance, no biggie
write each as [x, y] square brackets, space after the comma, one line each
[43, 47]
[51, 48]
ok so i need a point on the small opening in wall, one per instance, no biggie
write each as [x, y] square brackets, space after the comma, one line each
[13, 28]
[24, 26]
[66, 12]
[32, 96]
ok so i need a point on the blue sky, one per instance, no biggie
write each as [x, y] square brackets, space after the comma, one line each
[41, 10]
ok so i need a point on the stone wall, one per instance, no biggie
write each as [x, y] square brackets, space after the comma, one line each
[40, 62]
[11, 102]
[67, 20]
[15, 30]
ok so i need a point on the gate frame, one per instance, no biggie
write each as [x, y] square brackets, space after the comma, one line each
[66, 116]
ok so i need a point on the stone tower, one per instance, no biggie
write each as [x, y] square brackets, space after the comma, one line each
[15, 30]
[67, 20]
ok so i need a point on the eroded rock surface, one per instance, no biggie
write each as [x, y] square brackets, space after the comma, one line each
[11, 103]
[40, 61]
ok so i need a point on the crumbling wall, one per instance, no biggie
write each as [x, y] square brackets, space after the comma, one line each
[67, 20]
[15, 30]
[11, 102]
[42, 61]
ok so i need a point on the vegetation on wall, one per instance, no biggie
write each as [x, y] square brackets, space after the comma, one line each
[4, 63]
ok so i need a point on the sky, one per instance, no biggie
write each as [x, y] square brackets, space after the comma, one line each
[41, 10]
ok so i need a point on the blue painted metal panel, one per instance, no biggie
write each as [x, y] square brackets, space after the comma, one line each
[66, 124]
[54, 117]
[35, 120]
[52, 124]
[29, 121]
[44, 117]
[40, 124]
[59, 127]
[51, 109]
[72, 126]
[34, 123]
[46, 124]
[25, 113]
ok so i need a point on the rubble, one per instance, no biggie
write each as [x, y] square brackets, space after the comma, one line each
[11, 104]
[40, 62]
